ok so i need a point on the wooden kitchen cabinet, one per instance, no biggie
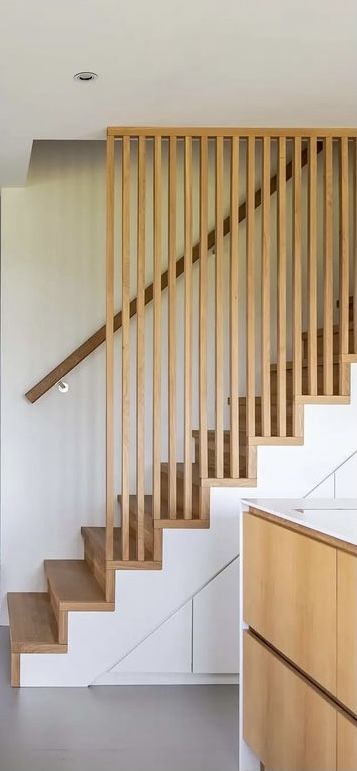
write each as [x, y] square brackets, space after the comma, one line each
[287, 722]
[289, 584]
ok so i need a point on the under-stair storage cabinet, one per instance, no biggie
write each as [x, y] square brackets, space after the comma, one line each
[299, 645]
[289, 724]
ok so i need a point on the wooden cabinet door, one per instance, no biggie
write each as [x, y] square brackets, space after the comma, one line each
[346, 743]
[347, 630]
[290, 595]
[287, 723]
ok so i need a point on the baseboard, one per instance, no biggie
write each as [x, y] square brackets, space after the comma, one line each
[137, 678]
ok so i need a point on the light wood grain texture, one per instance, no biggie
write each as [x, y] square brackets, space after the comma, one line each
[180, 524]
[297, 278]
[188, 332]
[180, 492]
[156, 455]
[95, 558]
[95, 340]
[140, 347]
[265, 290]
[317, 535]
[15, 670]
[344, 263]
[172, 326]
[347, 630]
[328, 268]
[61, 617]
[312, 268]
[219, 358]
[250, 289]
[203, 299]
[109, 352]
[94, 536]
[346, 743]
[354, 245]
[289, 725]
[281, 288]
[33, 627]
[231, 131]
[74, 587]
[234, 319]
[125, 410]
[290, 579]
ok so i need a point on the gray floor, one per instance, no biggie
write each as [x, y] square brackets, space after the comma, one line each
[141, 728]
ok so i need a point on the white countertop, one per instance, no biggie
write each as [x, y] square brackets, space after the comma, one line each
[333, 517]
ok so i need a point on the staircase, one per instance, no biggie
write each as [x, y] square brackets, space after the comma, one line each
[39, 621]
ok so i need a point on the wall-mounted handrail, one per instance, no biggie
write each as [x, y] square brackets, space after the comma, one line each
[98, 338]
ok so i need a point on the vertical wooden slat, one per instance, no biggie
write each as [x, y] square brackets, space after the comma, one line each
[312, 269]
[109, 526]
[125, 346]
[203, 449]
[140, 348]
[281, 337]
[328, 269]
[172, 328]
[188, 334]
[297, 282]
[250, 284]
[354, 246]
[344, 265]
[219, 444]
[156, 475]
[265, 292]
[234, 322]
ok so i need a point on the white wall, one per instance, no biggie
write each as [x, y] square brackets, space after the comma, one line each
[52, 297]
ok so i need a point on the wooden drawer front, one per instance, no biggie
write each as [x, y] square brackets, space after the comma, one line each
[290, 596]
[346, 744]
[288, 724]
[347, 630]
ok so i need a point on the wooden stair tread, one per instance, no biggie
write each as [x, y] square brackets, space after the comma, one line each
[179, 511]
[33, 626]
[96, 537]
[320, 331]
[74, 587]
[305, 363]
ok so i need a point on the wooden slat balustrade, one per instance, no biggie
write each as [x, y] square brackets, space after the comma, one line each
[279, 319]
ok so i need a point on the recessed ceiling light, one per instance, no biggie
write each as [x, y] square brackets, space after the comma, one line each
[85, 77]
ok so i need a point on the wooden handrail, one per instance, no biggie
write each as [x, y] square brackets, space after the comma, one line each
[95, 340]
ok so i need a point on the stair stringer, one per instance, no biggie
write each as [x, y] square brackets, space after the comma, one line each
[145, 598]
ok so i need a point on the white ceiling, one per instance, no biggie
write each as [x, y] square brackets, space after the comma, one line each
[213, 62]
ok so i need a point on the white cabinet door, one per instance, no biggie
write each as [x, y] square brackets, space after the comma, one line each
[166, 650]
[346, 479]
[216, 624]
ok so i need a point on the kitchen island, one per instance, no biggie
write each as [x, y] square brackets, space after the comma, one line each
[298, 701]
